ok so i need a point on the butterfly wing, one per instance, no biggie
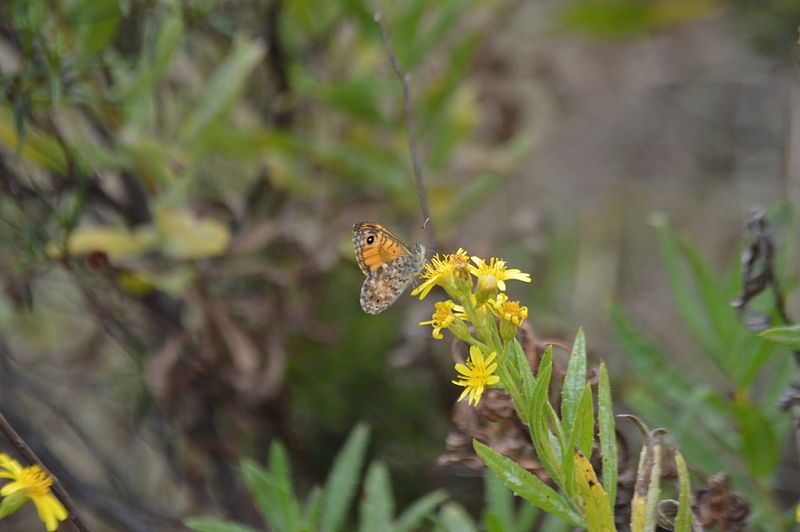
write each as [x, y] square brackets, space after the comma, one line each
[385, 284]
[375, 246]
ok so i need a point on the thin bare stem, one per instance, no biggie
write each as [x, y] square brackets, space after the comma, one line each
[409, 119]
[31, 458]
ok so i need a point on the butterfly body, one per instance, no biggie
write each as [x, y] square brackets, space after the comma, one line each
[389, 265]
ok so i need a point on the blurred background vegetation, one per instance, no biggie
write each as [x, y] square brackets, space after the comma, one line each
[179, 179]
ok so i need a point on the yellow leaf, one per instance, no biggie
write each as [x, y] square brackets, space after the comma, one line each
[594, 498]
[116, 242]
[183, 236]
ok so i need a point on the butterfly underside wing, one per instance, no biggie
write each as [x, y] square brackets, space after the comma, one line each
[390, 266]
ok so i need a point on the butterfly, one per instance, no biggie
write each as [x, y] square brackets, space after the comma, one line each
[388, 263]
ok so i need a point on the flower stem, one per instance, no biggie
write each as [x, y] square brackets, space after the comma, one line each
[27, 453]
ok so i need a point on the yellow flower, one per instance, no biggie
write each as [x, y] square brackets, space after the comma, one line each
[442, 270]
[476, 374]
[447, 314]
[29, 483]
[497, 269]
[510, 311]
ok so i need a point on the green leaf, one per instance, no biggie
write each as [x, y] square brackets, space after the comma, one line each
[584, 421]
[539, 414]
[208, 524]
[313, 508]
[574, 380]
[138, 92]
[580, 436]
[526, 485]
[648, 361]
[455, 519]
[280, 471]
[681, 289]
[225, 85]
[95, 23]
[785, 336]
[526, 517]
[343, 479]
[11, 503]
[608, 437]
[683, 521]
[759, 443]
[377, 504]
[270, 494]
[419, 510]
[631, 18]
[499, 501]
[524, 373]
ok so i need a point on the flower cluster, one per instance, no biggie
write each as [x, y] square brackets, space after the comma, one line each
[481, 315]
[29, 484]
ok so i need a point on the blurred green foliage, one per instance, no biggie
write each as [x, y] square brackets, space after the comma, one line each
[612, 19]
[194, 166]
[724, 417]
[211, 152]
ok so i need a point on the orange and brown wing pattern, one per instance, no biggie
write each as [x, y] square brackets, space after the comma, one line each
[375, 246]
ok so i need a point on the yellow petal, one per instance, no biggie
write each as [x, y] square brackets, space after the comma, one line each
[463, 394]
[58, 509]
[45, 513]
[464, 370]
[437, 333]
[476, 355]
[494, 379]
[8, 463]
[10, 488]
[501, 285]
[491, 357]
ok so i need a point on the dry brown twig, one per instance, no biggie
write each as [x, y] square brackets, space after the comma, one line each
[416, 161]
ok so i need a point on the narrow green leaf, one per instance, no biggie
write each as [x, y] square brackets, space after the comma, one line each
[526, 485]
[526, 516]
[539, 413]
[648, 361]
[455, 519]
[95, 23]
[580, 436]
[574, 380]
[313, 509]
[343, 479]
[608, 437]
[207, 524]
[262, 489]
[491, 522]
[281, 474]
[226, 83]
[584, 421]
[377, 504]
[271, 492]
[785, 336]
[525, 374]
[498, 500]
[759, 443]
[419, 510]
[683, 521]
[681, 289]
[711, 287]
